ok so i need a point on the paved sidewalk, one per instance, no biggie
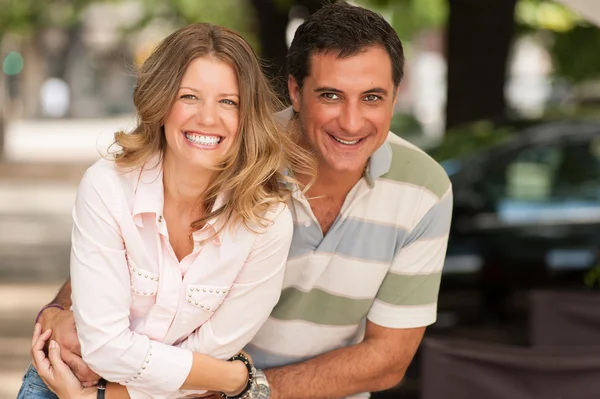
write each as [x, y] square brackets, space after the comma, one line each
[19, 304]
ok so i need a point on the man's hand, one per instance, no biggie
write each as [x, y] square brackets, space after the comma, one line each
[62, 324]
[56, 374]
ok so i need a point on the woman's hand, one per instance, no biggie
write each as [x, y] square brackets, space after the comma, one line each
[55, 373]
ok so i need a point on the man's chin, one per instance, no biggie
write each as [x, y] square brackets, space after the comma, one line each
[347, 168]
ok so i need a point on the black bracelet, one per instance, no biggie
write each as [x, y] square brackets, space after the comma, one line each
[101, 388]
[241, 357]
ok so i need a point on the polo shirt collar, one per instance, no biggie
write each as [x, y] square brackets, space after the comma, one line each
[379, 163]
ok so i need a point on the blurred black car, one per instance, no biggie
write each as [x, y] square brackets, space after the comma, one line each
[526, 215]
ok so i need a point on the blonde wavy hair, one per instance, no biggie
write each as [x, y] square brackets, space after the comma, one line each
[251, 173]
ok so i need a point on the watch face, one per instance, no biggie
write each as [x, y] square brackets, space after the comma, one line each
[263, 391]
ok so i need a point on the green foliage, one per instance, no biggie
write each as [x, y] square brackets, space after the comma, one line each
[576, 53]
[469, 139]
[409, 17]
[233, 14]
[573, 43]
[544, 14]
[27, 16]
[592, 277]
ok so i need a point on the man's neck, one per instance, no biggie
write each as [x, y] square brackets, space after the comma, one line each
[331, 183]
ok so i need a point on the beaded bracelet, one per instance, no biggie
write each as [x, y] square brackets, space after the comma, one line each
[241, 357]
[51, 305]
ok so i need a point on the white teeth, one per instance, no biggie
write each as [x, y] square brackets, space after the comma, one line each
[204, 140]
[345, 142]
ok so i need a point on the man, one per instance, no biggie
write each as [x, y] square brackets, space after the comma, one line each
[364, 269]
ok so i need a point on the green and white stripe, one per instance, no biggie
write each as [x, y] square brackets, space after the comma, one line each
[381, 261]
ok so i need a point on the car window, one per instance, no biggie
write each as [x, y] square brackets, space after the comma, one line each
[578, 174]
[559, 172]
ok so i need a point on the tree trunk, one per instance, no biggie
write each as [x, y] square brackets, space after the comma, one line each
[2, 132]
[479, 38]
[273, 19]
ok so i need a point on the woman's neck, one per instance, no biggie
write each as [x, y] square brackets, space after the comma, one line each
[184, 187]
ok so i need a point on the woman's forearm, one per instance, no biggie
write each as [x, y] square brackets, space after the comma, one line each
[207, 373]
[216, 375]
[116, 391]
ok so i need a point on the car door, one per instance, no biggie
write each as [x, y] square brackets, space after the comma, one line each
[541, 216]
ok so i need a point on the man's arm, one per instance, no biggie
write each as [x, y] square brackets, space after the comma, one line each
[63, 298]
[376, 364]
[48, 315]
[62, 324]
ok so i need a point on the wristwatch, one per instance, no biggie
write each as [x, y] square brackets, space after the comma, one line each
[260, 389]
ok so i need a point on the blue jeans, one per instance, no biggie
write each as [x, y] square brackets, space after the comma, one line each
[33, 386]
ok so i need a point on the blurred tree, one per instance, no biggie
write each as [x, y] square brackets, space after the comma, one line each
[263, 23]
[233, 14]
[479, 38]
[575, 55]
[27, 19]
[411, 17]
[273, 17]
[572, 41]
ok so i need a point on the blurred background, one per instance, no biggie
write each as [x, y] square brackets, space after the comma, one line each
[505, 93]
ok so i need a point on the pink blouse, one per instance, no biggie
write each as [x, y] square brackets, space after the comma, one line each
[140, 313]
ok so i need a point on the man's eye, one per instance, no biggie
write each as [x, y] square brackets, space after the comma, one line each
[372, 98]
[330, 96]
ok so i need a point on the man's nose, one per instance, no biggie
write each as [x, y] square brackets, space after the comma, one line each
[351, 118]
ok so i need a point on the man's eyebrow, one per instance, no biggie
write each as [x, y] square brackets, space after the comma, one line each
[376, 90]
[327, 89]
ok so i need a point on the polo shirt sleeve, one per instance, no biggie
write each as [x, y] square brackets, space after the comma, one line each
[408, 295]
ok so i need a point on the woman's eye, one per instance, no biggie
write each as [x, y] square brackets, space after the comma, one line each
[188, 97]
[372, 98]
[229, 102]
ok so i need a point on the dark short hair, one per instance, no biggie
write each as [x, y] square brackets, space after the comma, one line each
[346, 30]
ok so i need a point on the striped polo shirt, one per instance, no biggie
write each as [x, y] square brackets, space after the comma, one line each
[381, 260]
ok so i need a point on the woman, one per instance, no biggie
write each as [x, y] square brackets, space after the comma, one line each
[179, 243]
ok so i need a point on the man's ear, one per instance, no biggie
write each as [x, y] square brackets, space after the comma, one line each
[295, 93]
[396, 94]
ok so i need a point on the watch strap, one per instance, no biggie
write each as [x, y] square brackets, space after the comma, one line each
[261, 388]
[101, 389]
